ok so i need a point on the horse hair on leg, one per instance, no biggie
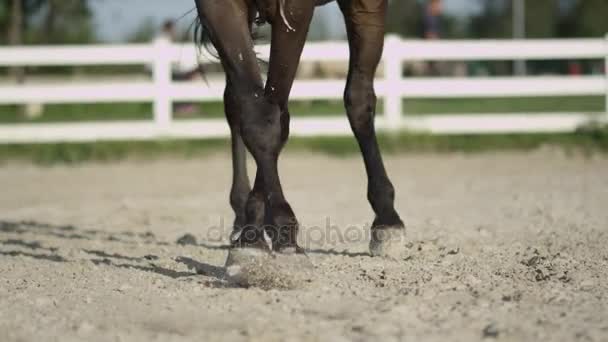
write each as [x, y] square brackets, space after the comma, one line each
[365, 24]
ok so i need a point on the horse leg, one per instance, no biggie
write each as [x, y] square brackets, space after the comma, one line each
[287, 45]
[365, 23]
[229, 28]
[240, 189]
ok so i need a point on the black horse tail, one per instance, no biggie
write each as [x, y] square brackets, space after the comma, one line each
[203, 39]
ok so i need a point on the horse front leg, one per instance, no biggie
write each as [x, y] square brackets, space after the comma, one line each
[365, 23]
[228, 25]
[288, 39]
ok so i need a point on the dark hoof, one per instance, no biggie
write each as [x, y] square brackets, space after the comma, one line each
[252, 267]
[388, 242]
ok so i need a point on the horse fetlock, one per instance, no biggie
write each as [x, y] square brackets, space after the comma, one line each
[380, 188]
[283, 228]
[250, 237]
[382, 201]
[239, 222]
[387, 219]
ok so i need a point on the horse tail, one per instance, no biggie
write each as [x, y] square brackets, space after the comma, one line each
[203, 39]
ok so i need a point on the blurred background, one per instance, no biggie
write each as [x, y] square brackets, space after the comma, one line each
[562, 85]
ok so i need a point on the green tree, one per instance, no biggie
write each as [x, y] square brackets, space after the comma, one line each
[590, 18]
[542, 18]
[46, 21]
[63, 22]
[493, 21]
[4, 17]
[405, 18]
[15, 17]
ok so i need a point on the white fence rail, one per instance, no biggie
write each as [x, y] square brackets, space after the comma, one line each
[393, 88]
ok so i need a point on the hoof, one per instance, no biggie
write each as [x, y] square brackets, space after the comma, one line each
[239, 239]
[387, 242]
[252, 267]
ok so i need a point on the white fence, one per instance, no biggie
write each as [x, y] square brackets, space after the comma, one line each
[393, 88]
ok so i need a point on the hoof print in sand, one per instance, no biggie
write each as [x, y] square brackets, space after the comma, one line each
[250, 267]
[388, 243]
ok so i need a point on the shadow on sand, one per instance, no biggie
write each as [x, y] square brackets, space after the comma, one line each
[13, 243]
[16, 240]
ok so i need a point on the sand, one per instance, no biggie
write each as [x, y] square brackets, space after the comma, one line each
[508, 246]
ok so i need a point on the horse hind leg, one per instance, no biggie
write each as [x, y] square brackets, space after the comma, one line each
[365, 22]
[265, 126]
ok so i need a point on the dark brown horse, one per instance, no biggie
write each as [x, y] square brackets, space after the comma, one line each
[258, 113]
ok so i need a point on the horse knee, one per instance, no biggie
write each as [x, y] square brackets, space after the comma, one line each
[380, 193]
[360, 102]
[262, 125]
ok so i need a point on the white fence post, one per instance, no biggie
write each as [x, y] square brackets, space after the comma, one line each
[393, 72]
[606, 73]
[162, 82]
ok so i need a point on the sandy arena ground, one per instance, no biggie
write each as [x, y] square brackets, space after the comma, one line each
[511, 247]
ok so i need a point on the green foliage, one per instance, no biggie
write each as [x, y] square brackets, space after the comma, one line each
[3, 23]
[542, 18]
[591, 18]
[64, 22]
[80, 113]
[142, 111]
[592, 140]
[49, 154]
[405, 18]
[589, 141]
[506, 105]
[51, 21]
[3, 13]
[493, 21]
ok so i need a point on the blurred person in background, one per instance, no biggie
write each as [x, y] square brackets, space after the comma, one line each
[432, 19]
[168, 32]
[432, 31]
